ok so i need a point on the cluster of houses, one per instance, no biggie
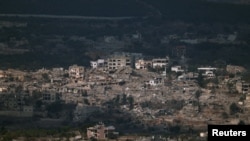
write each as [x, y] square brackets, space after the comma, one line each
[101, 132]
[134, 60]
[120, 73]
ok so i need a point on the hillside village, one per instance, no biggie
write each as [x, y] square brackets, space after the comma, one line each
[122, 70]
[129, 91]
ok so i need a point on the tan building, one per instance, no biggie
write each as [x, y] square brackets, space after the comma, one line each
[100, 132]
[242, 87]
[142, 64]
[76, 71]
[2, 74]
[235, 69]
[116, 62]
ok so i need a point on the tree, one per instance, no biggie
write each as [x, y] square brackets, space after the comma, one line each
[84, 93]
[117, 99]
[124, 99]
[3, 130]
[86, 101]
[200, 80]
[54, 109]
[131, 102]
[38, 104]
[45, 76]
[19, 89]
[241, 122]
[197, 94]
[234, 109]
[93, 139]
[224, 115]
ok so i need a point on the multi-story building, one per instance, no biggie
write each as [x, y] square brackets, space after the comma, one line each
[100, 132]
[98, 63]
[160, 62]
[76, 71]
[208, 72]
[122, 59]
[142, 64]
[242, 87]
[235, 69]
[50, 97]
[116, 62]
[177, 69]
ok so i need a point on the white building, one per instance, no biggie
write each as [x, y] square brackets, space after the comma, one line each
[206, 69]
[177, 69]
[98, 63]
[155, 82]
[209, 74]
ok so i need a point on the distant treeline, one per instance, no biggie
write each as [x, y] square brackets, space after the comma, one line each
[111, 8]
[35, 60]
[209, 53]
[188, 10]
[202, 11]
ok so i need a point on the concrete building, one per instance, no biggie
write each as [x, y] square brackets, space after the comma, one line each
[232, 69]
[76, 71]
[160, 62]
[142, 64]
[242, 87]
[2, 74]
[247, 101]
[122, 59]
[3, 89]
[50, 97]
[115, 62]
[207, 72]
[177, 69]
[100, 131]
[155, 81]
[98, 63]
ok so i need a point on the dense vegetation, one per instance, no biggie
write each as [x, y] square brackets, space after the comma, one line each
[32, 134]
[165, 17]
[188, 10]
[201, 11]
[111, 8]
